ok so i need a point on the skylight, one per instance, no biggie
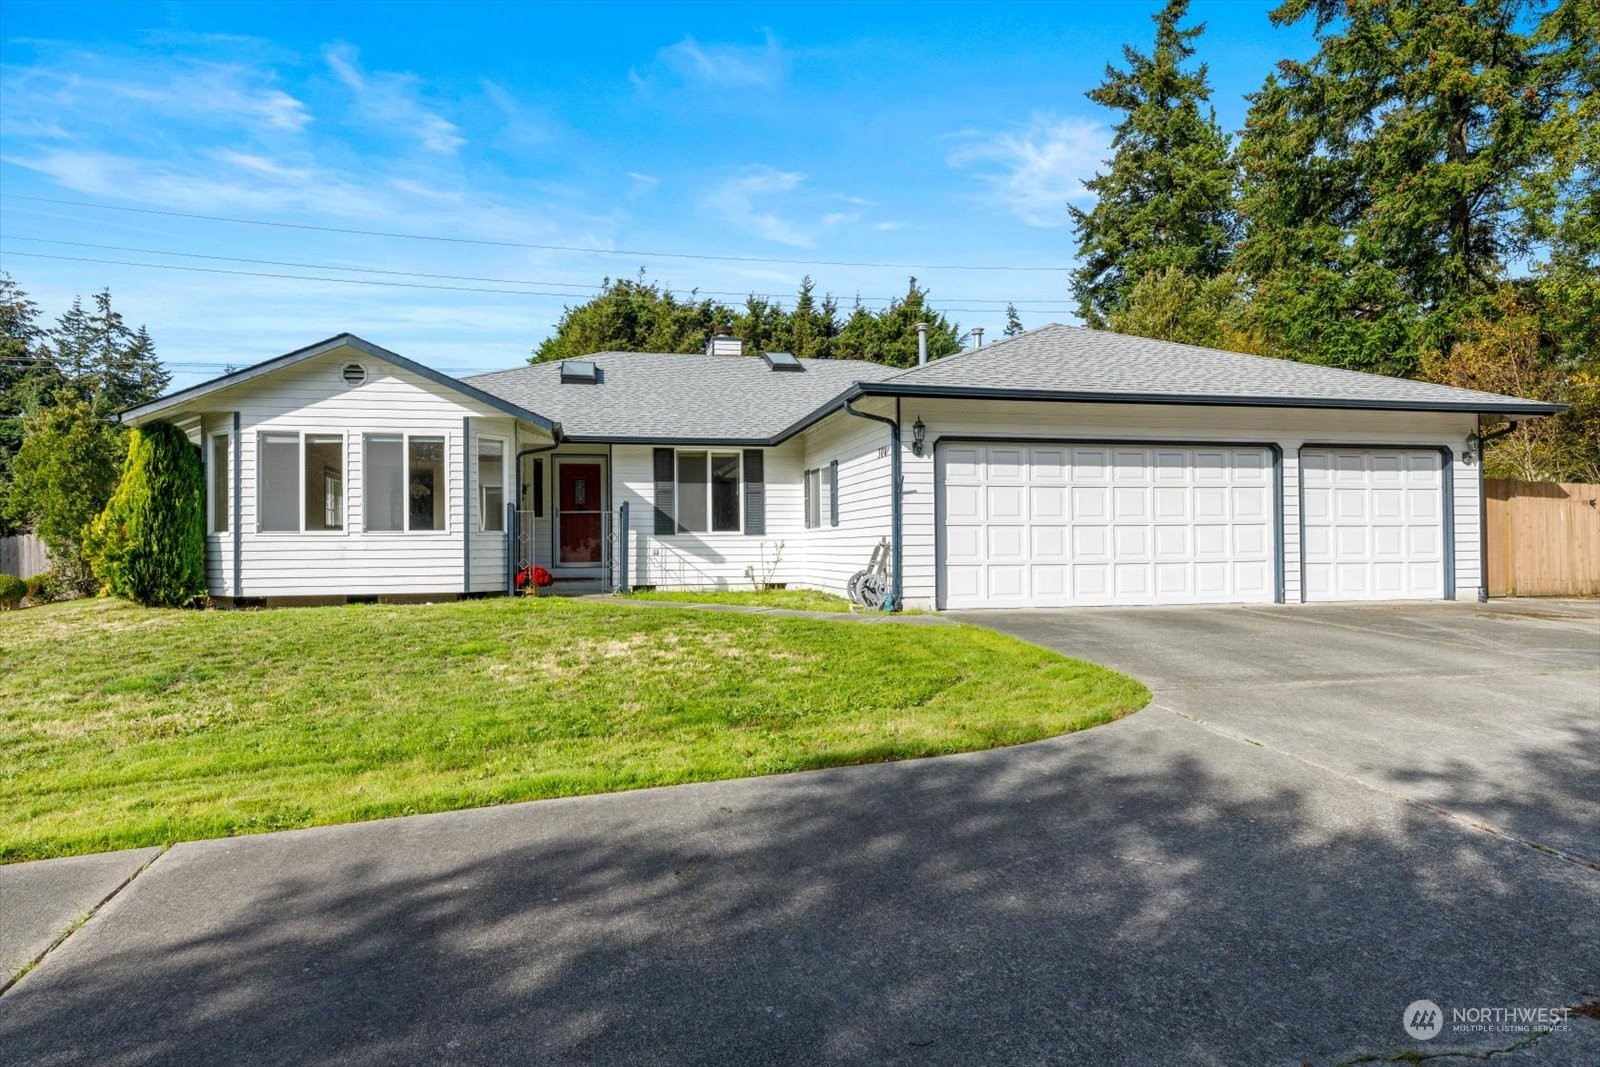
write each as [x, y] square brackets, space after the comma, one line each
[579, 370]
[783, 361]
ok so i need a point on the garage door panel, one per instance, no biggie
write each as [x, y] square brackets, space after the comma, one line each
[1047, 503]
[1173, 579]
[1049, 542]
[1171, 503]
[1003, 502]
[964, 543]
[1172, 542]
[963, 503]
[1047, 466]
[1090, 503]
[1138, 524]
[1091, 542]
[1131, 542]
[1378, 532]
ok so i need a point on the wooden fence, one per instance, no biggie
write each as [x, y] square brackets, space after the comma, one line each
[23, 555]
[1544, 538]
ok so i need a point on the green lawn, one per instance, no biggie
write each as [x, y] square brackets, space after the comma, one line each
[122, 726]
[796, 599]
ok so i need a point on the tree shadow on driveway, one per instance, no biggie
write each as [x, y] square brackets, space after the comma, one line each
[1147, 892]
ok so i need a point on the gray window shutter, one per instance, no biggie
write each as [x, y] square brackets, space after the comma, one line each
[665, 493]
[755, 493]
[833, 493]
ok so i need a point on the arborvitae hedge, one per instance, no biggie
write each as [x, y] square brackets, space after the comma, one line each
[149, 544]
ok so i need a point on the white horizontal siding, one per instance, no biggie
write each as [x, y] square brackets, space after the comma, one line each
[832, 554]
[312, 397]
[713, 560]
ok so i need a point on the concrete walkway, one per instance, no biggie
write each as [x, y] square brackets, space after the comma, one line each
[1188, 885]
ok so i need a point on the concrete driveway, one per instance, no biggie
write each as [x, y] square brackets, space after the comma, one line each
[1326, 815]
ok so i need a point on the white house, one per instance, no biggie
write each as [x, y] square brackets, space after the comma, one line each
[1061, 467]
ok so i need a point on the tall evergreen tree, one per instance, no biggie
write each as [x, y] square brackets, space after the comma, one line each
[1166, 200]
[890, 336]
[1013, 321]
[1381, 176]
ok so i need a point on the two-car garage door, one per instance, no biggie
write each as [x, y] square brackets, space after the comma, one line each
[1056, 524]
[1044, 525]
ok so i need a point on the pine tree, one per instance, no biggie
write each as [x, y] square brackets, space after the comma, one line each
[1380, 176]
[1013, 321]
[1166, 200]
[890, 336]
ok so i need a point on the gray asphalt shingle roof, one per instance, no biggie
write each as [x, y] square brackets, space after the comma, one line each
[1076, 360]
[662, 397]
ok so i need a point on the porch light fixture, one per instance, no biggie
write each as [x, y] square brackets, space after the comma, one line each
[919, 435]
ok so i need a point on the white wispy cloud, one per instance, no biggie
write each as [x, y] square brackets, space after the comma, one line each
[101, 91]
[1035, 170]
[725, 65]
[392, 101]
[746, 203]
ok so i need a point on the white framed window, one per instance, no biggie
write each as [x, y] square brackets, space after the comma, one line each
[813, 498]
[300, 482]
[490, 478]
[406, 486]
[221, 484]
[709, 495]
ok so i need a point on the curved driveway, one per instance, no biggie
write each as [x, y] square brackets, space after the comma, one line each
[1325, 815]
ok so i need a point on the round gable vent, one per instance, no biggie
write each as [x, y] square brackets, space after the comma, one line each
[354, 374]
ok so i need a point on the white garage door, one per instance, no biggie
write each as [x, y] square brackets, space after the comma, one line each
[1052, 525]
[1374, 524]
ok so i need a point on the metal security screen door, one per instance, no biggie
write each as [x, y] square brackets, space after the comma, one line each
[580, 513]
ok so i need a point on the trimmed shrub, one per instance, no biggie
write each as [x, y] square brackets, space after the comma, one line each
[46, 588]
[149, 545]
[12, 590]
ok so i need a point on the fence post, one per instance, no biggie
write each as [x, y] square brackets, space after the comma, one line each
[511, 548]
[622, 548]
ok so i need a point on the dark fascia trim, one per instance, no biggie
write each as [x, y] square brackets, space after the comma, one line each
[1279, 527]
[1447, 493]
[343, 340]
[890, 388]
[672, 442]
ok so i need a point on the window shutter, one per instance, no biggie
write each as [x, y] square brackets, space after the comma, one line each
[755, 493]
[833, 493]
[665, 493]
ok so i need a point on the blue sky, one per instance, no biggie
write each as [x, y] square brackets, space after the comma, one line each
[851, 142]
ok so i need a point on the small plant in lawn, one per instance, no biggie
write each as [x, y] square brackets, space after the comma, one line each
[12, 590]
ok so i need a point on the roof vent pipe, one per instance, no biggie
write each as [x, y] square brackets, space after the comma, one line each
[977, 337]
[922, 344]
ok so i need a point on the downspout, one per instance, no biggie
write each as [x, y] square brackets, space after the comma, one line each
[1483, 510]
[896, 553]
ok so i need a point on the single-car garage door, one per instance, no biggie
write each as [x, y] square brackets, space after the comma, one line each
[1374, 524]
[1046, 525]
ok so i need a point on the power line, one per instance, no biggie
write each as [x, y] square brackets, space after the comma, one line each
[353, 281]
[1025, 305]
[537, 247]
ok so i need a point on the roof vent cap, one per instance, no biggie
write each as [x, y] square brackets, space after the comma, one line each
[782, 361]
[353, 374]
[581, 371]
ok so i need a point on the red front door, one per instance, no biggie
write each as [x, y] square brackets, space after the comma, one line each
[580, 508]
